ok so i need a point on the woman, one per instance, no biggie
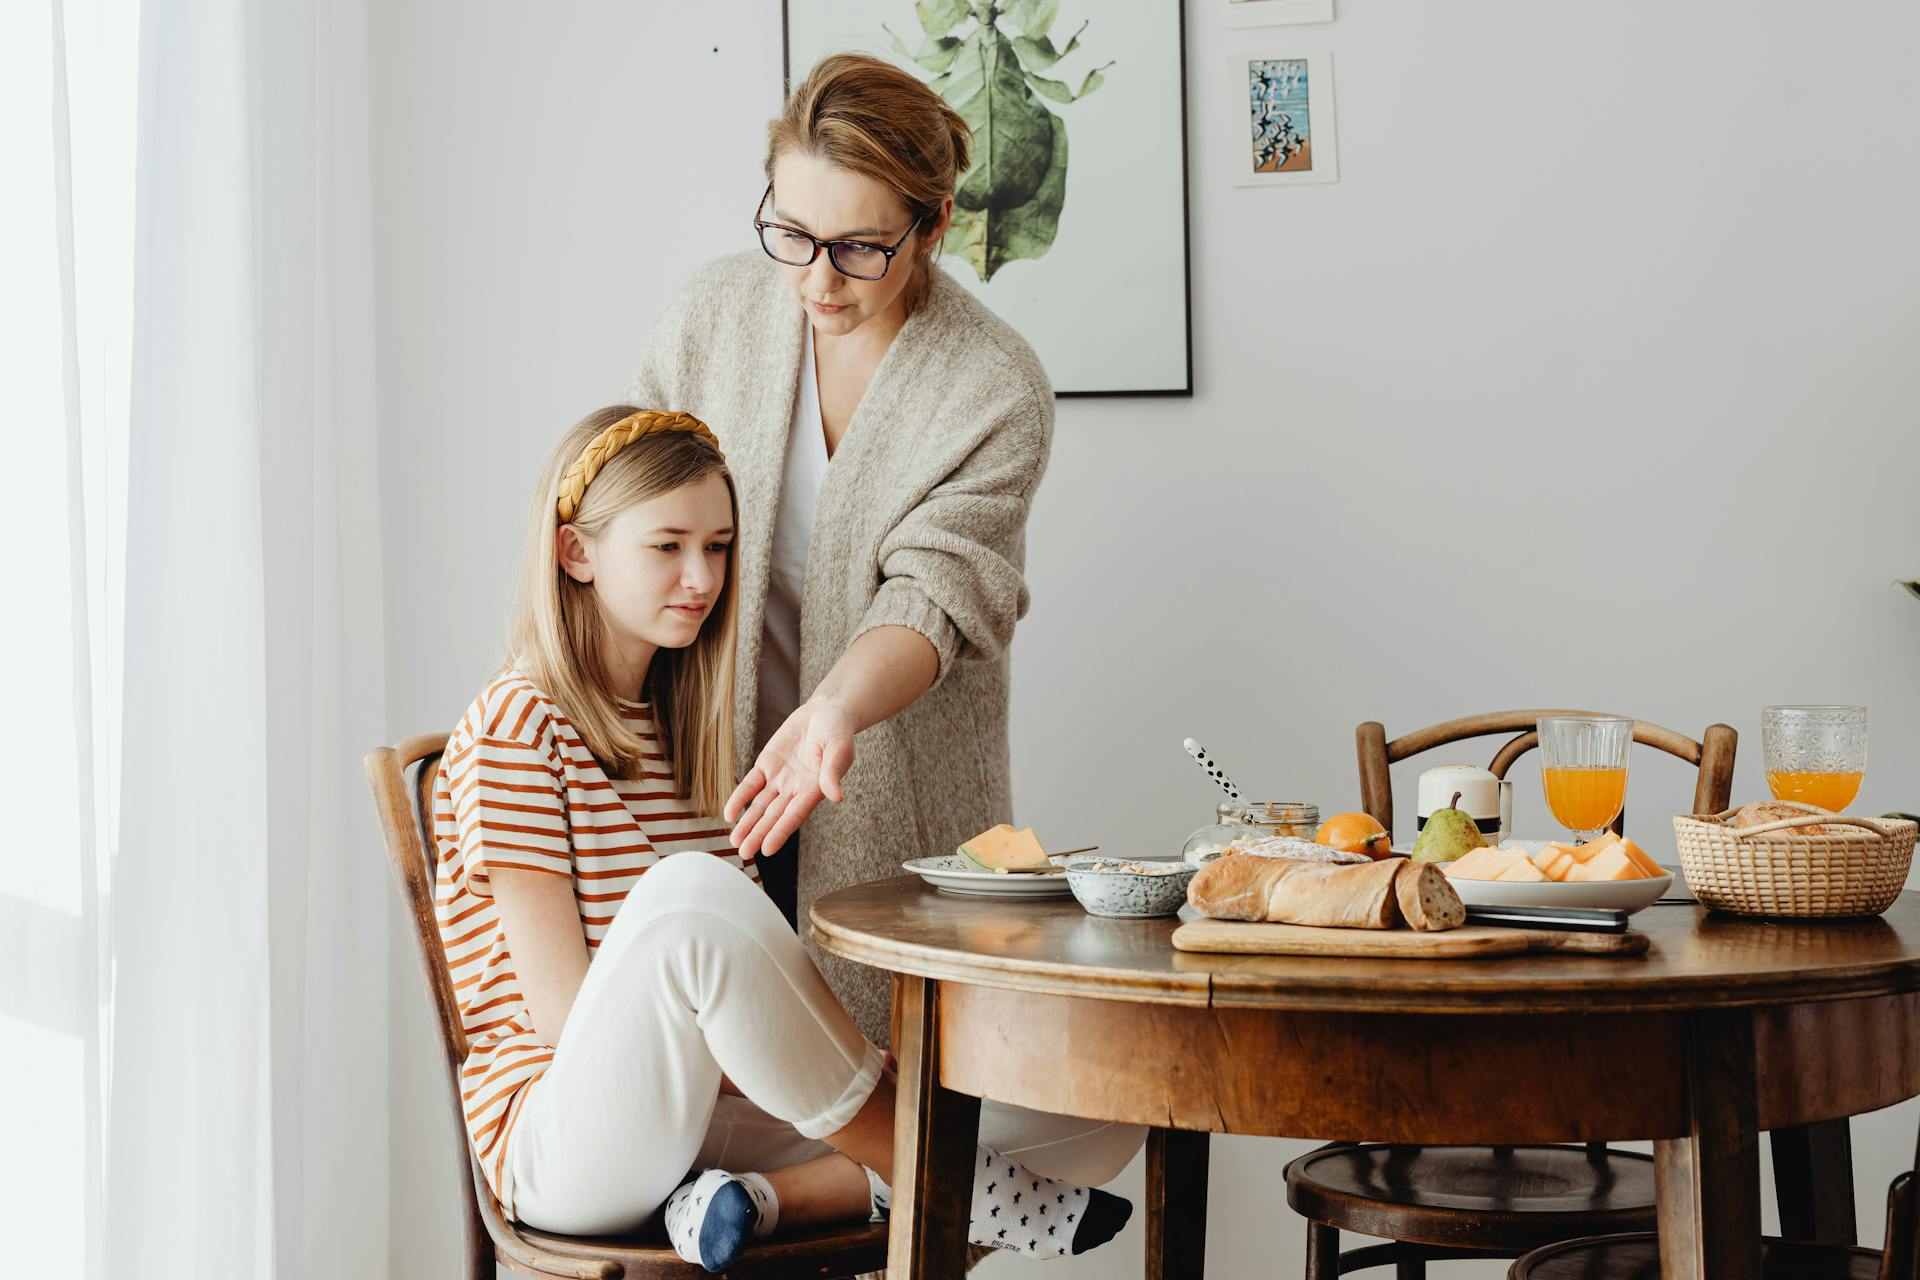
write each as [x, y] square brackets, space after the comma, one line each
[887, 432]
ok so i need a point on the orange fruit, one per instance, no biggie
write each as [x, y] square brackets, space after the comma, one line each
[1355, 833]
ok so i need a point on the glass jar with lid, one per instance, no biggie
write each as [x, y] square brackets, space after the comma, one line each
[1238, 819]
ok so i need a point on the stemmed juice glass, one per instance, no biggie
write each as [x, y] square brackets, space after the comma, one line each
[1815, 755]
[1583, 762]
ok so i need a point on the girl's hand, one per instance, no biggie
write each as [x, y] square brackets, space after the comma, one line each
[802, 763]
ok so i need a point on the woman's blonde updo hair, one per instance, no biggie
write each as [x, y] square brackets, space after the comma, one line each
[871, 118]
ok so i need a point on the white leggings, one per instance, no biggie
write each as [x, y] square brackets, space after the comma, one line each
[698, 975]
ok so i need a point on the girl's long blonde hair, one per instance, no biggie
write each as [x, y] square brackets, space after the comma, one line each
[557, 633]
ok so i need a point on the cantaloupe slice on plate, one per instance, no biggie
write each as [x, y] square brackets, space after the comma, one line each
[1484, 864]
[1001, 848]
[1641, 858]
[1522, 871]
[1585, 852]
[1608, 864]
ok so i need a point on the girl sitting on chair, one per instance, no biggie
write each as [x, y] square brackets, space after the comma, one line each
[646, 1035]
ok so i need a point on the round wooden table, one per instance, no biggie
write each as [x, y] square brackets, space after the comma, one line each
[1726, 1028]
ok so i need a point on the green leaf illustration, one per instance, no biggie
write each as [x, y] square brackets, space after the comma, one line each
[935, 54]
[1033, 17]
[984, 59]
[1037, 52]
[1050, 88]
[991, 238]
[938, 17]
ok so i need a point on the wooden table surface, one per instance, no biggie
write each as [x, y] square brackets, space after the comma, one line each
[1697, 959]
[1726, 1028]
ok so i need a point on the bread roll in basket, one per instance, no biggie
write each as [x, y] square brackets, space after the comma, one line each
[1856, 868]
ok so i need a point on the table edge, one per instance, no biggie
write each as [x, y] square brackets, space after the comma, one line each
[1220, 989]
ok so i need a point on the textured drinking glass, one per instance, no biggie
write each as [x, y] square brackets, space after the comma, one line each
[1815, 755]
[1583, 763]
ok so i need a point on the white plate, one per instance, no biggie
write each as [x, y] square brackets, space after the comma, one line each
[954, 874]
[1608, 895]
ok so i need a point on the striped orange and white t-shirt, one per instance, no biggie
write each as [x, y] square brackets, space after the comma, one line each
[518, 788]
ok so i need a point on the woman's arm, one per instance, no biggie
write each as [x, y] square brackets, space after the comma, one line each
[549, 950]
[953, 588]
[879, 675]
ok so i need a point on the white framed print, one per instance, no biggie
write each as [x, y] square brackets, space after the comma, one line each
[1283, 132]
[1277, 13]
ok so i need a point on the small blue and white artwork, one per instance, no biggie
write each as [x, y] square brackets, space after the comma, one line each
[1288, 105]
[1282, 122]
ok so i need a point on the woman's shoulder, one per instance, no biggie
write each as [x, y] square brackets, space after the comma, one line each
[986, 357]
[722, 287]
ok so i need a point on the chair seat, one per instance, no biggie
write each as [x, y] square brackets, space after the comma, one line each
[1500, 1199]
[1637, 1257]
[842, 1249]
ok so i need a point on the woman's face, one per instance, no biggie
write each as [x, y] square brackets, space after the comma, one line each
[658, 566]
[831, 203]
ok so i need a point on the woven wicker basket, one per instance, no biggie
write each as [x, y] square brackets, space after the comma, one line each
[1773, 870]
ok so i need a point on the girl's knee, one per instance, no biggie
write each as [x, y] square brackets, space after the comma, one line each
[700, 876]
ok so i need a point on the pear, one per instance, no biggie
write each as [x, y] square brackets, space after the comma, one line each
[1449, 833]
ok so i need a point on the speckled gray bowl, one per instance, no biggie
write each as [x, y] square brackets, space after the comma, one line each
[1106, 891]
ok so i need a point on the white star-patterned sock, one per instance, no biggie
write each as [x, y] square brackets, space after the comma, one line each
[1017, 1209]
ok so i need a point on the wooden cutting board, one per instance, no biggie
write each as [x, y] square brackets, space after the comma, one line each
[1469, 942]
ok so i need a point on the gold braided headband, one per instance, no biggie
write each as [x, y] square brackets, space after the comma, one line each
[611, 441]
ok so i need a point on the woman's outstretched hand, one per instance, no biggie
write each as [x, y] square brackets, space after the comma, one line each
[801, 764]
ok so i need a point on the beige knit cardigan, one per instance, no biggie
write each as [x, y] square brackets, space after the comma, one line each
[920, 522]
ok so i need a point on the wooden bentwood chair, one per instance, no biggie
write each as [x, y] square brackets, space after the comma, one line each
[406, 813]
[1436, 1203]
[1637, 1256]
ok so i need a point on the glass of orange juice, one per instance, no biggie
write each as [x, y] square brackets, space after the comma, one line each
[1815, 755]
[1583, 762]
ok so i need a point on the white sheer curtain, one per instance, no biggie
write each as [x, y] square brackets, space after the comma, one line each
[192, 911]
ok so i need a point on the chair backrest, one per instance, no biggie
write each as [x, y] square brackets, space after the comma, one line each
[1713, 754]
[406, 820]
[1900, 1256]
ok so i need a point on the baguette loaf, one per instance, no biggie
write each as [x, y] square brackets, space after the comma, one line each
[1372, 895]
[1427, 899]
[1241, 887]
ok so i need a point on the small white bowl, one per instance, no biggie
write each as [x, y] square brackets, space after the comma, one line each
[1105, 889]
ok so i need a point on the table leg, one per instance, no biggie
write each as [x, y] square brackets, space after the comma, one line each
[935, 1131]
[1176, 1205]
[1813, 1182]
[1709, 1181]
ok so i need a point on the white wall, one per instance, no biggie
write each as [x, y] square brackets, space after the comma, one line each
[1597, 390]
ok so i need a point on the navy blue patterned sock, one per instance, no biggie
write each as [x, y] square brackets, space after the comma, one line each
[709, 1219]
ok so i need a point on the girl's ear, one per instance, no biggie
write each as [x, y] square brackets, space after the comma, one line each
[573, 554]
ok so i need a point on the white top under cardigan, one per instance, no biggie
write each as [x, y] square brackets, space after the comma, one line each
[920, 522]
[787, 566]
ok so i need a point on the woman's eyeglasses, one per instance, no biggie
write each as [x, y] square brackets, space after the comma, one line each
[854, 258]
